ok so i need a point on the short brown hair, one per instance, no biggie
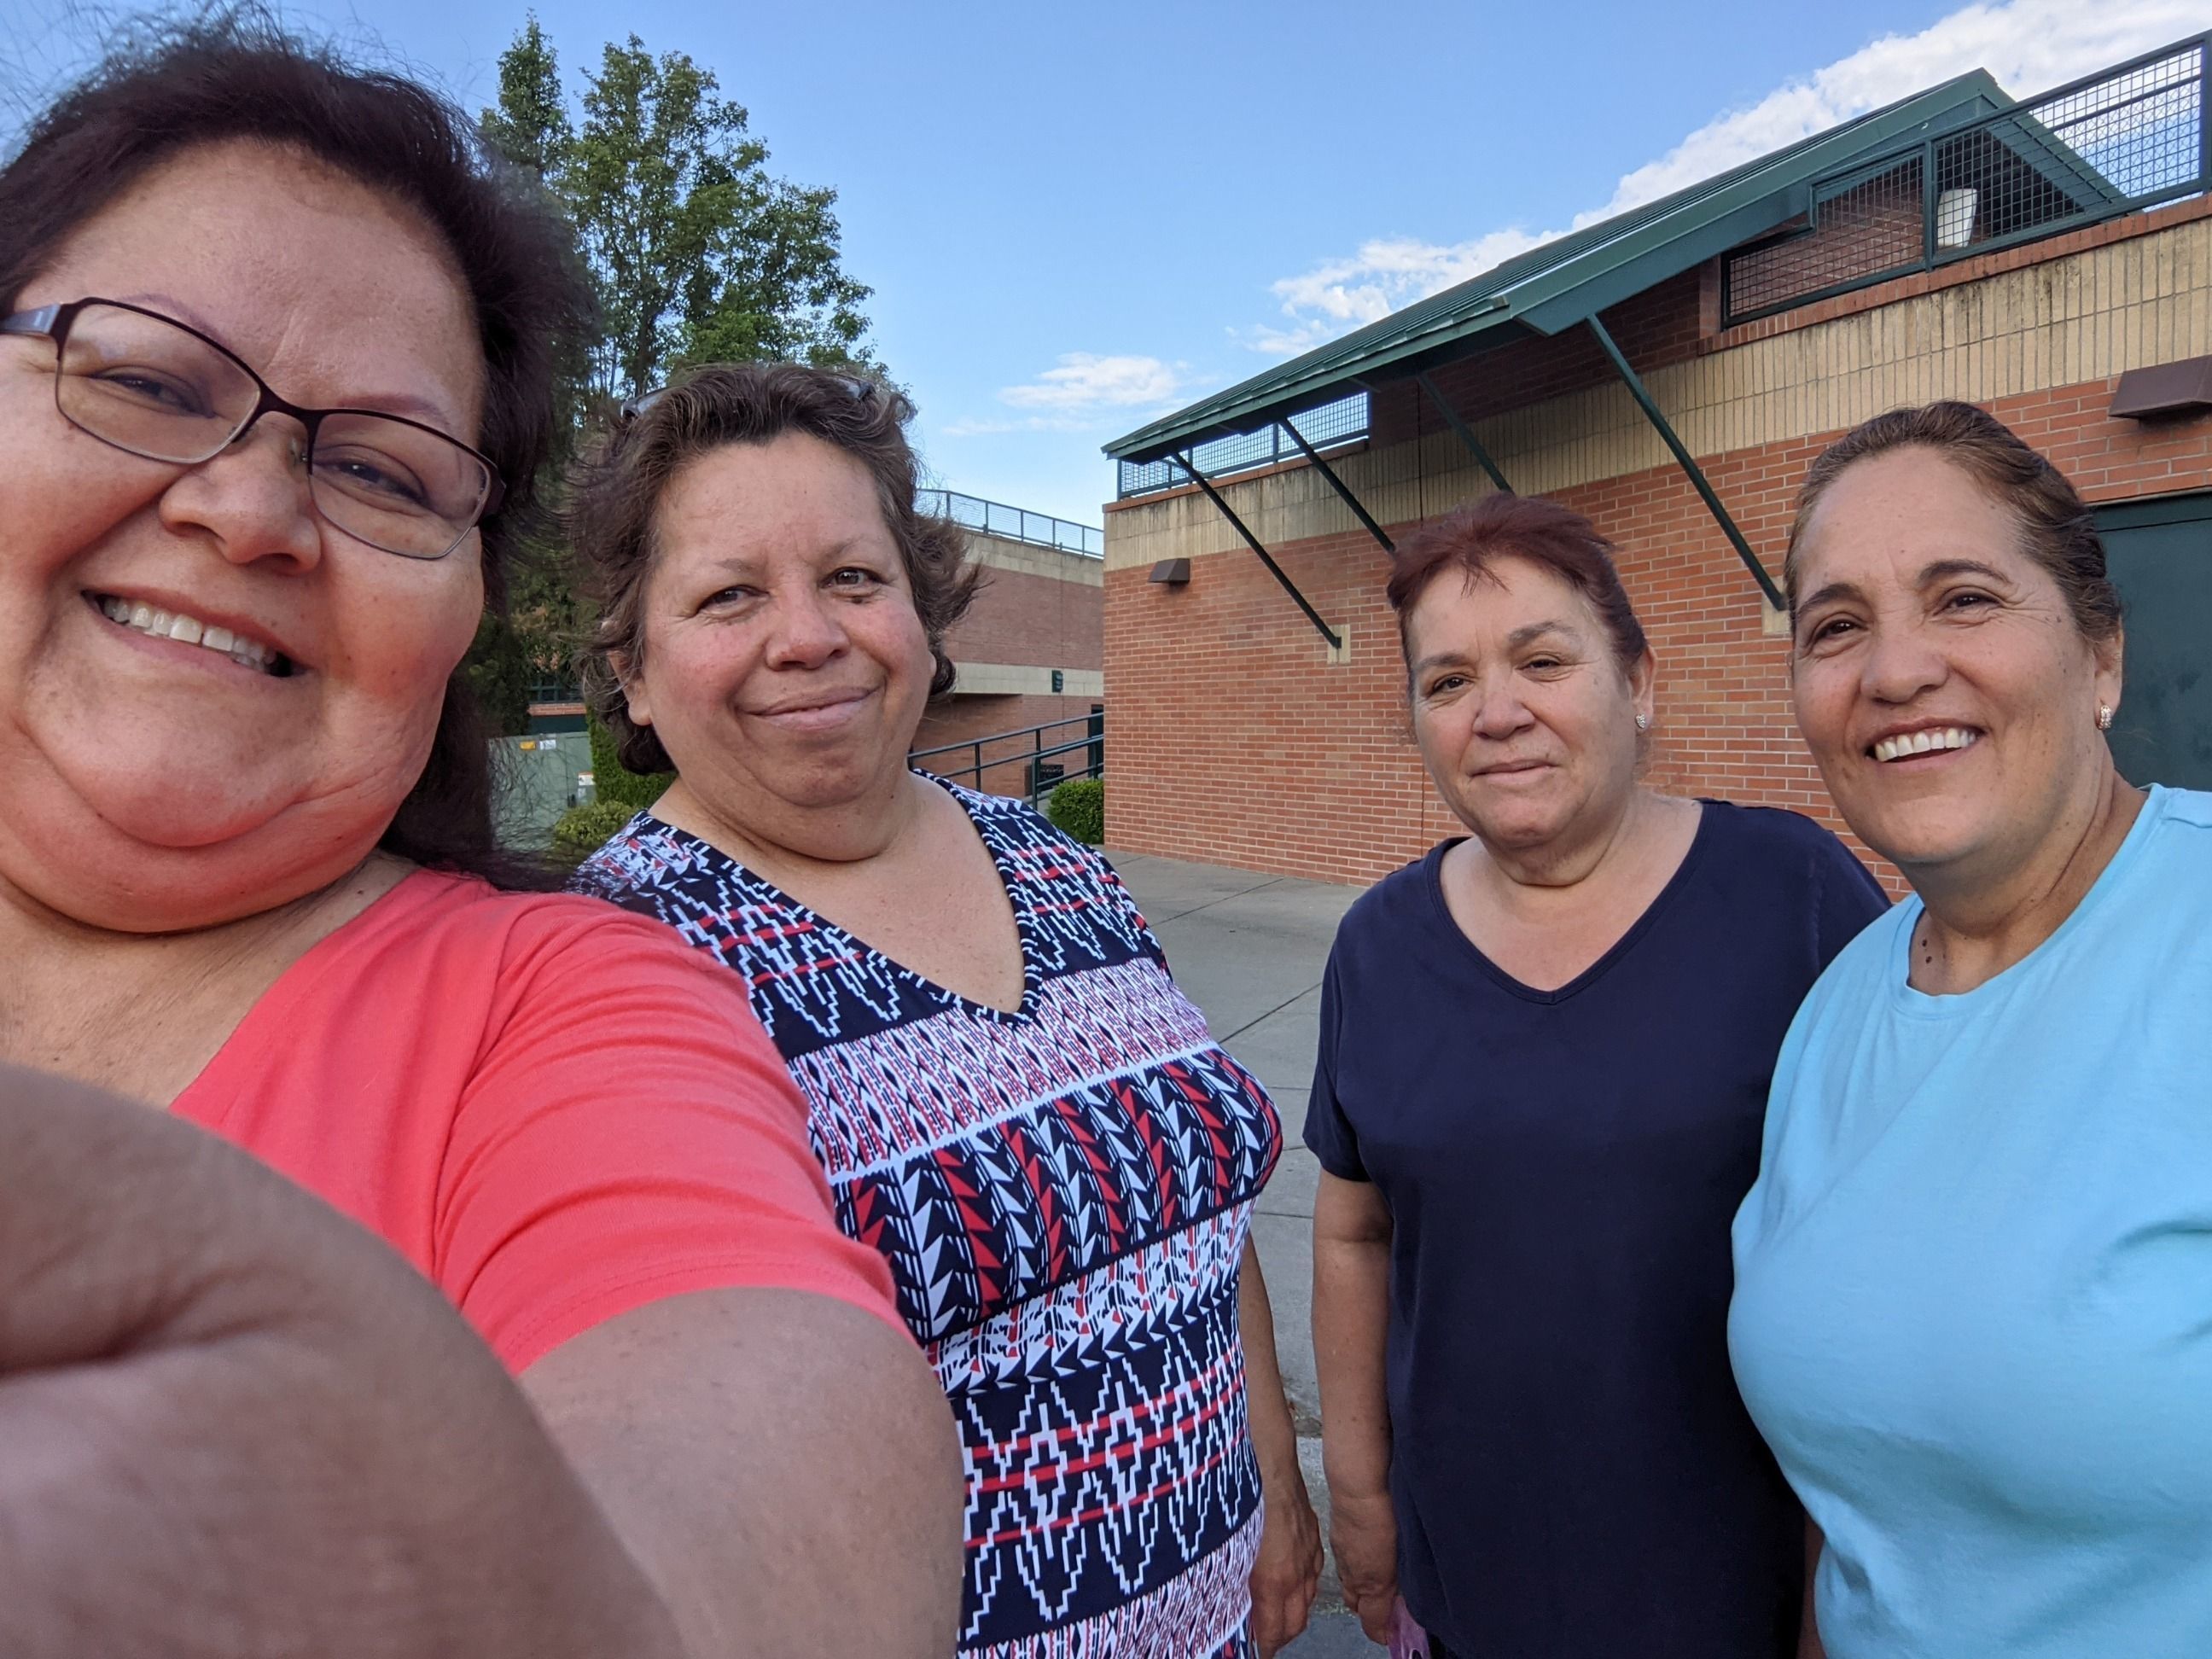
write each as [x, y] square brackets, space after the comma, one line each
[614, 512]
[2055, 529]
[1503, 525]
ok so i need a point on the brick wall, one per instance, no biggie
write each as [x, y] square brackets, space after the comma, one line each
[1235, 741]
[1038, 609]
[1020, 617]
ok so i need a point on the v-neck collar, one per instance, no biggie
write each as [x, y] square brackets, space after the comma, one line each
[845, 938]
[1433, 876]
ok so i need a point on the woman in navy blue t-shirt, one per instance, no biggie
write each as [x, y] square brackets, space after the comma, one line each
[1544, 1051]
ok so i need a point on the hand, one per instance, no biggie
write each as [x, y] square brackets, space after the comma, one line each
[1365, 1535]
[1287, 1577]
[235, 1423]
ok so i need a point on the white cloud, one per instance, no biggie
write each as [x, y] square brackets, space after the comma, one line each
[990, 427]
[1083, 383]
[2027, 44]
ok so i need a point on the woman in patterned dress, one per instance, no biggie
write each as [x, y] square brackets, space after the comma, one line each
[1012, 1101]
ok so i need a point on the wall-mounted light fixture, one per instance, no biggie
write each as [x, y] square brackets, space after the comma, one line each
[2170, 389]
[1174, 573]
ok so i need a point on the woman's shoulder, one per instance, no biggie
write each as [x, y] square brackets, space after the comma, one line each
[435, 914]
[1403, 898]
[646, 854]
[1779, 831]
[2186, 815]
[1017, 827]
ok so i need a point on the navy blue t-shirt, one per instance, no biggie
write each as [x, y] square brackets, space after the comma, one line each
[1572, 1470]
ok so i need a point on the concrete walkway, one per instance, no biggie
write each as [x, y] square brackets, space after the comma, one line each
[1250, 948]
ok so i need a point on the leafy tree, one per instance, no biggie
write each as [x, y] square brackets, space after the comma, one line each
[530, 125]
[697, 254]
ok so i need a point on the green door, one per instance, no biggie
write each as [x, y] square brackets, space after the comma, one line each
[2160, 554]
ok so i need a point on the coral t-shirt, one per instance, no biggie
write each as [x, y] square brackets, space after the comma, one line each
[556, 1111]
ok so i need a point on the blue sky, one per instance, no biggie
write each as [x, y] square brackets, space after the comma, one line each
[1075, 218]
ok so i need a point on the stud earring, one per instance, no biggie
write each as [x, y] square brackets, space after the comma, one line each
[1643, 722]
[2104, 717]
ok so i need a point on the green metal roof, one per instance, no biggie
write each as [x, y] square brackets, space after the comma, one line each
[1551, 288]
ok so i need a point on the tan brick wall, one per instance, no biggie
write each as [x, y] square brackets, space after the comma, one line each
[1235, 741]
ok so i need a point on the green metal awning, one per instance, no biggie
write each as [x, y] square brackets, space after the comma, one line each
[1570, 281]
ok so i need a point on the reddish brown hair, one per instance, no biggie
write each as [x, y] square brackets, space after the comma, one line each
[1501, 526]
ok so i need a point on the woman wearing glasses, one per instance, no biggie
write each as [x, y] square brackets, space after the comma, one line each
[274, 344]
[1014, 1103]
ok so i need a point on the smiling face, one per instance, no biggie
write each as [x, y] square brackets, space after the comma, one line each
[785, 669]
[156, 783]
[1941, 682]
[1525, 720]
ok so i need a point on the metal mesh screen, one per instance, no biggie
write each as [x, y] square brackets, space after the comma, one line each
[1861, 229]
[1331, 424]
[2119, 142]
[2135, 136]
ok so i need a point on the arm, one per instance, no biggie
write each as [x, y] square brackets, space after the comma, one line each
[1350, 1324]
[1809, 1630]
[1287, 1575]
[782, 1465]
[236, 1424]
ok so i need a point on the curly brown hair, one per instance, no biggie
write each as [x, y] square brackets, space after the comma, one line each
[615, 505]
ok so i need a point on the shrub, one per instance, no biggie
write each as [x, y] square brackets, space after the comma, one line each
[1078, 808]
[582, 831]
[630, 790]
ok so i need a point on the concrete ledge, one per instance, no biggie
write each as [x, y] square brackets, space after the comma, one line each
[1013, 679]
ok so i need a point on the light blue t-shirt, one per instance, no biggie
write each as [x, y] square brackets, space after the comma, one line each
[1973, 1305]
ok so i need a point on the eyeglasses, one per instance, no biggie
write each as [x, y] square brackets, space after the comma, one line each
[154, 388]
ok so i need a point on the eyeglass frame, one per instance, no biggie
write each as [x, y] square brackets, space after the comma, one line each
[53, 323]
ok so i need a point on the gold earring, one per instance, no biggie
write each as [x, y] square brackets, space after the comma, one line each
[2104, 717]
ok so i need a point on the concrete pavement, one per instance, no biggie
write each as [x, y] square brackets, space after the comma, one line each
[1249, 949]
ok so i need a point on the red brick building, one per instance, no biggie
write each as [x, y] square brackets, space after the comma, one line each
[2051, 259]
[1029, 651]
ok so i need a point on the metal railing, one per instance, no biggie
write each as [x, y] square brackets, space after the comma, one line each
[1339, 423]
[1045, 771]
[2115, 143]
[1014, 524]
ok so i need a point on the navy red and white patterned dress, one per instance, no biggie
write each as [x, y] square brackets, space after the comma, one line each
[1063, 1194]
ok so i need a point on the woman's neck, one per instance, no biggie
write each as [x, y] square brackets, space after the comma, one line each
[779, 839]
[1971, 930]
[143, 1012]
[1583, 861]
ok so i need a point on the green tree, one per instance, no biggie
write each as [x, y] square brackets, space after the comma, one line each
[697, 254]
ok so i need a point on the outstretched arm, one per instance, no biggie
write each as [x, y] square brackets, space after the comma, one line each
[234, 1424]
[782, 1464]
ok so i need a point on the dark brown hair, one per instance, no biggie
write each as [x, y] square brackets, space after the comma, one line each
[2056, 529]
[614, 507]
[239, 77]
[1502, 525]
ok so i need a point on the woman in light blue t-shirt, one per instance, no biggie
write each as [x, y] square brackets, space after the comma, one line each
[1973, 1311]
